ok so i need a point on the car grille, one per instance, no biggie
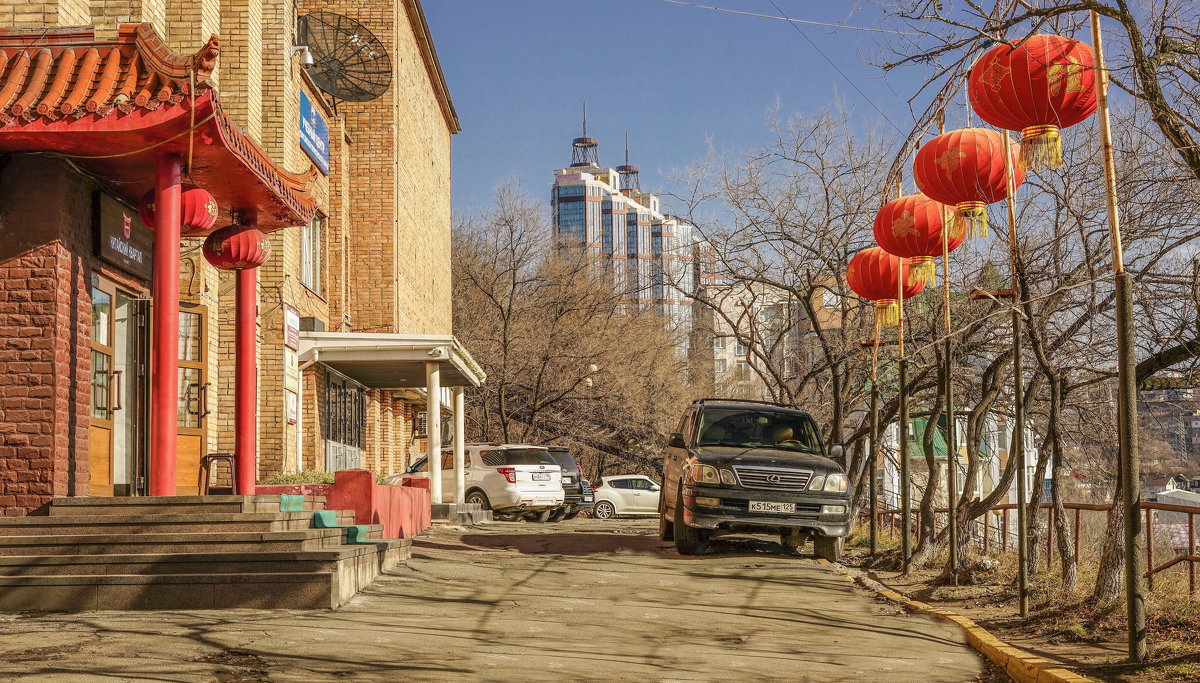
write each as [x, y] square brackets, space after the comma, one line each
[772, 478]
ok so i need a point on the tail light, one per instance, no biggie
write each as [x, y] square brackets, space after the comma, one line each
[579, 471]
[597, 485]
[510, 473]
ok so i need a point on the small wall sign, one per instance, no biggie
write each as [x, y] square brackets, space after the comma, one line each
[291, 328]
[121, 239]
[314, 133]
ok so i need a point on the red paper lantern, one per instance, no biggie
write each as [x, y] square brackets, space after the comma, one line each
[965, 169]
[197, 211]
[1043, 84]
[236, 247]
[875, 274]
[911, 228]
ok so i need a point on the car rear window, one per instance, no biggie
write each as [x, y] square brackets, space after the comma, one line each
[517, 456]
[564, 458]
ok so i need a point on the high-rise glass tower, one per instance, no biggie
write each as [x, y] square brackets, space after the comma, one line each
[602, 214]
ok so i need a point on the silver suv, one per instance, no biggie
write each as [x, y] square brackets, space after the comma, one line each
[514, 481]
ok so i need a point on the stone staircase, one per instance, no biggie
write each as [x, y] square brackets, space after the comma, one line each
[189, 552]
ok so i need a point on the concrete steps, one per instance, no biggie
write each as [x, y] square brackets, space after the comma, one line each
[189, 552]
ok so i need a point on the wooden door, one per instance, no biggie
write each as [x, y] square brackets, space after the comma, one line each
[100, 428]
[193, 399]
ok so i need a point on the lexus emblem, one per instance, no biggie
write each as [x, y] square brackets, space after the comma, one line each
[773, 478]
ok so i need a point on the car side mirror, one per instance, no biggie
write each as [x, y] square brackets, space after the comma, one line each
[676, 440]
[656, 487]
[837, 453]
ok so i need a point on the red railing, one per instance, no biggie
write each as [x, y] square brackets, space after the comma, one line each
[982, 532]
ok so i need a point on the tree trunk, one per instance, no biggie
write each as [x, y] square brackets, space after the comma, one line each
[1062, 525]
[1109, 575]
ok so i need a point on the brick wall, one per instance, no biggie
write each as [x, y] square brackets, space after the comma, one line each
[46, 269]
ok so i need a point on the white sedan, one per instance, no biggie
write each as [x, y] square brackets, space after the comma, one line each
[628, 494]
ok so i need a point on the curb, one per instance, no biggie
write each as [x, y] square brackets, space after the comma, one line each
[1018, 664]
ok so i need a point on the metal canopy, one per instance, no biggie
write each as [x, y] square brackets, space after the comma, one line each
[391, 361]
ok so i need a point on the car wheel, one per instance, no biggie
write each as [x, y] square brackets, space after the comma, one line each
[604, 510]
[666, 528]
[572, 515]
[542, 516]
[688, 540]
[828, 547]
[479, 498]
[792, 541]
[558, 514]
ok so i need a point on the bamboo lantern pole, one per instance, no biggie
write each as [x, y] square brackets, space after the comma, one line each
[1127, 417]
[1017, 443]
[875, 450]
[951, 439]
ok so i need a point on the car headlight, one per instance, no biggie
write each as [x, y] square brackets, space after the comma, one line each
[705, 474]
[835, 483]
[727, 477]
[817, 483]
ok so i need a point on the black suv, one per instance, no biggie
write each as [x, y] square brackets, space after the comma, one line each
[577, 493]
[752, 467]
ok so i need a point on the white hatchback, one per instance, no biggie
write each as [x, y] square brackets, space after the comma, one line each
[629, 494]
[511, 480]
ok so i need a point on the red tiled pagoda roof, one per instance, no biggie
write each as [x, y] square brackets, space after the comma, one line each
[113, 106]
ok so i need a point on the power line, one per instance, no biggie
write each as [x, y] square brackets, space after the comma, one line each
[788, 19]
[836, 68]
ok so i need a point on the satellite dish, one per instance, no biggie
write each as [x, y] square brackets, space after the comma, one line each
[349, 62]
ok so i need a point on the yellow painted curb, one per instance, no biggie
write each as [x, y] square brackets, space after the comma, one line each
[1021, 666]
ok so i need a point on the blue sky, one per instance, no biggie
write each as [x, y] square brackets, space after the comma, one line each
[673, 77]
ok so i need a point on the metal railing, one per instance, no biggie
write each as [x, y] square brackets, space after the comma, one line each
[986, 535]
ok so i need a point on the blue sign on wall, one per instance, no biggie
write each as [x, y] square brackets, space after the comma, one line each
[314, 134]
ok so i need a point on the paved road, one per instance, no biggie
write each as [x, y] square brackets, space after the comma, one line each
[582, 600]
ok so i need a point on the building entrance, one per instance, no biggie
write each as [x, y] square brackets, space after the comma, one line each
[118, 425]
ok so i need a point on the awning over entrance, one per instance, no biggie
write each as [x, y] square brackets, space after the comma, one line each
[392, 361]
[114, 106]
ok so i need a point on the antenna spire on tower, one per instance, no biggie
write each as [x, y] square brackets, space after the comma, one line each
[629, 172]
[584, 150]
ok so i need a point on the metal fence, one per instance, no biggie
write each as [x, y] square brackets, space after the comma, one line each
[1000, 535]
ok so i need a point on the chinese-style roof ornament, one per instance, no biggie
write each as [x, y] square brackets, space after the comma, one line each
[237, 247]
[875, 274]
[197, 211]
[1040, 85]
[965, 169]
[911, 227]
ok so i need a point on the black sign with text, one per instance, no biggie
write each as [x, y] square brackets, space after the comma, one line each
[121, 239]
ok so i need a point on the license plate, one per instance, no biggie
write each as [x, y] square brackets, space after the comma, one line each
[589, 499]
[537, 476]
[566, 480]
[761, 506]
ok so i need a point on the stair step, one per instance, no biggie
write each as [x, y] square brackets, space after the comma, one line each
[186, 523]
[216, 542]
[129, 505]
[185, 563]
[284, 590]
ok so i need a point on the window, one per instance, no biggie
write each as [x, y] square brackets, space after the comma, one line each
[831, 299]
[718, 342]
[740, 349]
[345, 411]
[641, 484]
[311, 236]
[743, 370]
[719, 365]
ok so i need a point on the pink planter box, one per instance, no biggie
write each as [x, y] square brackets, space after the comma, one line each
[403, 511]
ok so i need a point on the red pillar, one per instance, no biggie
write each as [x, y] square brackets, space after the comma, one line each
[164, 348]
[246, 380]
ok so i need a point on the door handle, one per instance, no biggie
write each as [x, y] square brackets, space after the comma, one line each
[202, 401]
[116, 402]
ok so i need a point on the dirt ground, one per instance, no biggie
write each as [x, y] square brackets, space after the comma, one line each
[582, 600]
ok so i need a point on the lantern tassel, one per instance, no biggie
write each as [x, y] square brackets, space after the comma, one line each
[887, 312]
[970, 220]
[922, 269]
[1041, 147]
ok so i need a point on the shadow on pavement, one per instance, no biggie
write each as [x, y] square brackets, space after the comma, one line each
[594, 543]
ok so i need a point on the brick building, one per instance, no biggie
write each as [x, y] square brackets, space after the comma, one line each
[353, 306]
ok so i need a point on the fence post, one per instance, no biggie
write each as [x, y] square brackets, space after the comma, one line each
[987, 531]
[1077, 535]
[1004, 536]
[1191, 552]
[1150, 545]
[1049, 537]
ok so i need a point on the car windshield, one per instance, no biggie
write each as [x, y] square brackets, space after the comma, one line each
[517, 456]
[749, 428]
[564, 458]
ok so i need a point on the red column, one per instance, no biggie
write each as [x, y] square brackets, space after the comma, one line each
[246, 380]
[164, 348]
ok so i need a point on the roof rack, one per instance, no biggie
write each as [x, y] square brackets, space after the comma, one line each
[717, 399]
